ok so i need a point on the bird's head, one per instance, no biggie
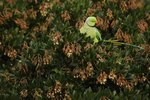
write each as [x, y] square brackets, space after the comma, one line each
[91, 21]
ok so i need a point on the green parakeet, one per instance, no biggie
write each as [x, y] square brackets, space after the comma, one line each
[90, 30]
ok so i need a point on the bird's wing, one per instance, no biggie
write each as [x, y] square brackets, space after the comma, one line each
[98, 34]
[83, 29]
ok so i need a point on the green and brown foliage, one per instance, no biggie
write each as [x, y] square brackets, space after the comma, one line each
[43, 55]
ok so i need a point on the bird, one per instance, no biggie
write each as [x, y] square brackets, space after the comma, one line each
[90, 30]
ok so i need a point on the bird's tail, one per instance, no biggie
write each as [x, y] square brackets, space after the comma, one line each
[116, 42]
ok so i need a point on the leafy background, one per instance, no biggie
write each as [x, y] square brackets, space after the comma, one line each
[44, 56]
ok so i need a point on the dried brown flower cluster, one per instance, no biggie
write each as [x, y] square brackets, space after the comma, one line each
[120, 79]
[102, 23]
[124, 6]
[134, 4]
[23, 68]
[142, 26]
[65, 16]
[146, 48]
[79, 24]
[57, 38]
[47, 58]
[112, 75]
[43, 8]
[10, 52]
[90, 12]
[21, 23]
[109, 13]
[83, 74]
[97, 6]
[24, 93]
[71, 48]
[121, 36]
[88, 46]
[100, 58]
[114, 23]
[141, 78]
[37, 93]
[5, 15]
[102, 78]
[32, 13]
[57, 89]
[147, 16]
[39, 60]
[44, 26]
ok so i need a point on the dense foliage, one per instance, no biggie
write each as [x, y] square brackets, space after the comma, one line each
[44, 56]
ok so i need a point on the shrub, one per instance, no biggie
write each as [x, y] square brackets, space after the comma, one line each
[43, 55]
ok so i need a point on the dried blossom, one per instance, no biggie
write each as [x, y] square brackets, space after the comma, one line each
[88, 46]
[123, 6]
[134, 4]
[65, 16]
[11, 1]
[24, 93]
[37, 93]
[79, 24]
[112, 75]
[147, 16]
[127, 38]
[43, 9]
[70, 48]
[102, 78]
[141, 78]
[58, 87]
[47, 58]
[37, 60]
[102, 23]
[146, 48]
[50, 94]
[32, 13]
[114, 23]
[121, 81]
[76, 72]
[10, 52]
[100, 58]
[89, 69]
[97, 6]
[90, 12]
[128, 59]
[82, 75]
[142, 26]
[109, 13]
[57, 38]
[23, 25]
[129, 86]
[121, 36]
[23, 68]
[5, 15]
[67, 97]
